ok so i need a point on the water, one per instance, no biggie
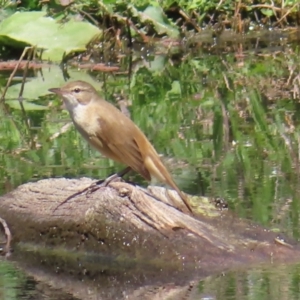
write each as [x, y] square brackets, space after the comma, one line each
[227, 126]
[16, 284]
[263, 282]
[272, 282]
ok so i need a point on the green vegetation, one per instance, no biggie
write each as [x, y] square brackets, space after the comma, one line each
[65, 31]
[12, 281]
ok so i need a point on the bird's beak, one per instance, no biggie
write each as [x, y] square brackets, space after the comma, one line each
[57, 91]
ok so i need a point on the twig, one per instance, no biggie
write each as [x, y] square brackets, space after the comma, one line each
[265, 6]
[20, 61]
[26, 120]
[89, 16]
[29, 57]
[216, 9]
[188, 19]
[8, 237]
[225, 123]
[291, 69]
[64, 129]
[226, 82]
[288, 11]
[13, 73]
[237, 9]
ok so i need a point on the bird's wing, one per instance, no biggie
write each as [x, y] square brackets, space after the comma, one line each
[118, 134]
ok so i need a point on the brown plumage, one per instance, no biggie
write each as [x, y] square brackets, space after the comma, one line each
[112, 133]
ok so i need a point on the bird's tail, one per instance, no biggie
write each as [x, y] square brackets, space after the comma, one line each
[156, 168]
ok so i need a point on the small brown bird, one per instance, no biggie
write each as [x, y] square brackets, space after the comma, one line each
[112, 133]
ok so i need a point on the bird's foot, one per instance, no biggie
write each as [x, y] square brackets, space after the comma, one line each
[95, 186]
[105, 182]
[102, 183]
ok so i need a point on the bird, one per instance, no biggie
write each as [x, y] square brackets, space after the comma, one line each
[114, 134]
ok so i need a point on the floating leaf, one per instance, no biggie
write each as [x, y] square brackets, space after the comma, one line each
[156, 16]
[46, 33]
[49, 77]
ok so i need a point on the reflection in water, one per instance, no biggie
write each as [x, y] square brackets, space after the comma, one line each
[265, 283]
[14, 284]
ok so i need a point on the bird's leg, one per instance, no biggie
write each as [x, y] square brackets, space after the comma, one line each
[111, 178]
[95, 186]
[105, 182]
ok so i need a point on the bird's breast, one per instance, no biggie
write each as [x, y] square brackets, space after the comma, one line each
[85, 120]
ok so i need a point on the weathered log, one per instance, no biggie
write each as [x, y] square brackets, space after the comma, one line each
[123, 231]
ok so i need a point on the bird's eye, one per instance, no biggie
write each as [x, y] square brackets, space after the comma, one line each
[77, 90]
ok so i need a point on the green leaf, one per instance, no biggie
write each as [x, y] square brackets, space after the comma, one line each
[176, 88]
[158, 63]
[46, 79]
[267, 12]
[44, 32]
[156, 16]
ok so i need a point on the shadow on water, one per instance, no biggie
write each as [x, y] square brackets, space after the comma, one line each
[227, 111]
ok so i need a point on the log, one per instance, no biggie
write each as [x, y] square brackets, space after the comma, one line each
[125, 232]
